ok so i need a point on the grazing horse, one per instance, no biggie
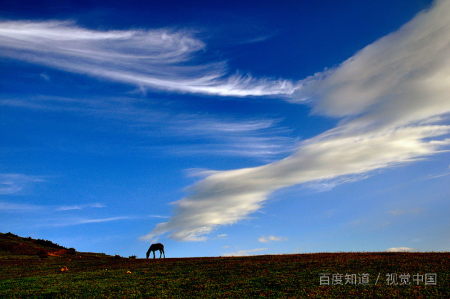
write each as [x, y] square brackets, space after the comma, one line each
[154, 247]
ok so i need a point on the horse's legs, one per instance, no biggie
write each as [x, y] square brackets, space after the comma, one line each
[154, 253]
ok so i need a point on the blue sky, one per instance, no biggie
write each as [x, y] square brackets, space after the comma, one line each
[226, 128]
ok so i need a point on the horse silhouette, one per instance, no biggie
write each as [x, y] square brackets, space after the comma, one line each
[155, 247]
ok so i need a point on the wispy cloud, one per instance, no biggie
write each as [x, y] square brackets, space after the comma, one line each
[80, 207]
[45, 77]
[435, 176]
[22, 207]
[197, 134]
[244, 252]
[14, 207]
[389, 96]
[101, 220]
[13, 183]
[156, 216]
[159, 58]
[271, 238]
[79, 221]
[400, 212]
[61, 222]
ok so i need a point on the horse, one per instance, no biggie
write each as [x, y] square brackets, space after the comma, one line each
[155, 247]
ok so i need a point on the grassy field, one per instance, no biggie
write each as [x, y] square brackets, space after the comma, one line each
[41, 269]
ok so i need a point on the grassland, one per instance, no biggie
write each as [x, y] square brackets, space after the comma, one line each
[31, 269]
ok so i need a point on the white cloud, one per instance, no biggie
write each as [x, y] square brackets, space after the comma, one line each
[158, 58]
[399, 249]
[229, 196]
[244, 252]
[389, 94]
[271, 238]
[386, 83]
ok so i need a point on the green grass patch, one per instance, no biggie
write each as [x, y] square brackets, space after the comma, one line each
[275, 276]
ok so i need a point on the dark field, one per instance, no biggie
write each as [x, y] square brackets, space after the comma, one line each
[40, 270]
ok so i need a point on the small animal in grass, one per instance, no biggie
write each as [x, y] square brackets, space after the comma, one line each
[155, 247]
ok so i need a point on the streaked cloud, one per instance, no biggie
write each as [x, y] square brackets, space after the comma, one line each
[158, 58]
[101, 220]
[393, 99]
[156, 216]
[271, 238]
[263, 139]
[400, 211]
[13, 183]
[436, 176]
[244, 252]
[72, 221]
[80, 207]
[45, 77]
[6, 206]
[14, 207]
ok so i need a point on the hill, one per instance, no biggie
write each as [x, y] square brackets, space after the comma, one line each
[26, 272]
[15, 247]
